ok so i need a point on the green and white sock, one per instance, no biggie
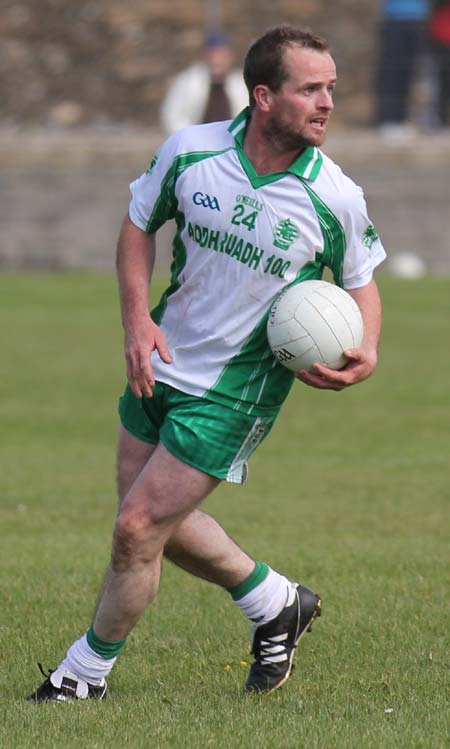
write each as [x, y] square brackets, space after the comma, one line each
[91, 658]
[262, 595]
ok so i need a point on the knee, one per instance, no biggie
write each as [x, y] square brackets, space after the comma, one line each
[134, 539]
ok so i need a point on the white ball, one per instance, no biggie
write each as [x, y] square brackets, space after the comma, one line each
[314, 321]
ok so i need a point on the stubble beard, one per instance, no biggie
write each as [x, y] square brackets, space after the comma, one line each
[282, 138]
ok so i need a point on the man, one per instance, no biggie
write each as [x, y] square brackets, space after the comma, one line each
[402, 41]
[440, 48]
[204, 388]
[207, 91]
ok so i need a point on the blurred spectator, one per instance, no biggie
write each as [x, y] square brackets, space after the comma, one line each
[403, 35]
[440, 39]
[207, 91]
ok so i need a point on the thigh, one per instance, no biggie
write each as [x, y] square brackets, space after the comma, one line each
[138, 435]
[132, 455]
[167, 489]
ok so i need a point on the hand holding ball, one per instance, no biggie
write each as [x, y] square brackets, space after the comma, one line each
[314, 321]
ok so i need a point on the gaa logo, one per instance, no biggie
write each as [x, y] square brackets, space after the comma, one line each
[201, 198]
[283, 354]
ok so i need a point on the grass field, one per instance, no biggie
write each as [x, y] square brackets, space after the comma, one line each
[350, 494]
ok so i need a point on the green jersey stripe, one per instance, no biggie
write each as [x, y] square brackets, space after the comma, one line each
[333, 235]
[178, 263]
[166, 203]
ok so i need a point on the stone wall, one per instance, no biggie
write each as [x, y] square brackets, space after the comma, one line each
[78, 62]
[80, 86]
[64, 195]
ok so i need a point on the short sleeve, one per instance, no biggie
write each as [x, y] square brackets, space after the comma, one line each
[153, 200]
[364, 250]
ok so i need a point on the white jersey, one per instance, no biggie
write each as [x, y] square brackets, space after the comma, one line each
[241, 238]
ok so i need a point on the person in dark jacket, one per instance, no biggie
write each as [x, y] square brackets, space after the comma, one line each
[440, 45]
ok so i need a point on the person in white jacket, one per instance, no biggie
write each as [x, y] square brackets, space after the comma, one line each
[207, 91]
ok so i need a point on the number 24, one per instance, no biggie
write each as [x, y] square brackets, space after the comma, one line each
[239, 217]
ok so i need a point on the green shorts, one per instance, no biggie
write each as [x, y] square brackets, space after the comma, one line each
[213, 438]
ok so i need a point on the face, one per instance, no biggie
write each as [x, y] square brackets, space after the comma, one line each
[219, 60]
[297, 114]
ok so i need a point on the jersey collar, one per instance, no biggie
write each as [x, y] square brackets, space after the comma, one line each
[307, 165]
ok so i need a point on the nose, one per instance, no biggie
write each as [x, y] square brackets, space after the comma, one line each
[326, 100]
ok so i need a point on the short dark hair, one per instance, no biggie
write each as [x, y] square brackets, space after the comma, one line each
[264, 61]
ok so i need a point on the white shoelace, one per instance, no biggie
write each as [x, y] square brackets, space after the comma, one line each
[272, 651]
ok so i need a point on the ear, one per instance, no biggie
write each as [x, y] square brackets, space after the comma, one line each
[263, 97]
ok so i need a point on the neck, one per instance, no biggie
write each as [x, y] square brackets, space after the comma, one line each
[264, 154]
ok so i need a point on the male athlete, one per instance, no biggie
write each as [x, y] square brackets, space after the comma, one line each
[257, 207]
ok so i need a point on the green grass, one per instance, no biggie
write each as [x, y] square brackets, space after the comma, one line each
[349, 494]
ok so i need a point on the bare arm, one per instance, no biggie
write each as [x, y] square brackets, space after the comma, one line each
[362, 360]
[135, 260]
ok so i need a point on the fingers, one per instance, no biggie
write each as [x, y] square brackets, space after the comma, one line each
[342, 377]
[321, 382]
[331, 379]
[138, 358]
[354, 354]
[140, 374]
[163, 351]
[357, 369]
